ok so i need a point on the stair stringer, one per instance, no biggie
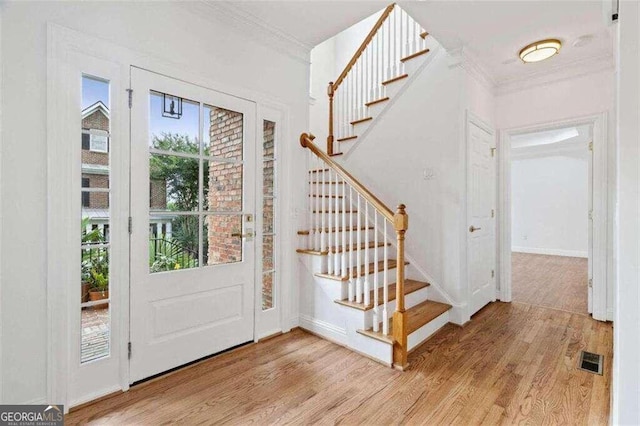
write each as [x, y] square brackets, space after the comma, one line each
[394, 94]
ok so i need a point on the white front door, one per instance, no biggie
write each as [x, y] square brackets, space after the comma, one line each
[481, 236]
[192, 216]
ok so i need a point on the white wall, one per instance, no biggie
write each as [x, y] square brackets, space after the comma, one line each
[550, 202]
[164, 30]
[626, 346]
[423, 129]
[328, 59]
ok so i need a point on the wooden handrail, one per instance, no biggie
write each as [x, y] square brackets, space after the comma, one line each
[306, 140]
[363, 46]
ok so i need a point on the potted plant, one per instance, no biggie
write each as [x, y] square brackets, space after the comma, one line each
[99, 288]
[92, 237]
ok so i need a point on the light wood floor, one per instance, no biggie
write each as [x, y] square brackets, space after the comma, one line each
[553, 281]
[513, 363]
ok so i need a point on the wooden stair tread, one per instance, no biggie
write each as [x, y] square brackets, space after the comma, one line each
[391, 80]
[319, 170]
[348, 138]
[364, 270]
[333, 229]
[409, 287]
[327, 183]
[355, 247]
[414, 55]
[339, 249]
[335, 154]
[333, 211]
[377, 101]
[362, 120]
[326, 196]
[417, 316]
[424, 34]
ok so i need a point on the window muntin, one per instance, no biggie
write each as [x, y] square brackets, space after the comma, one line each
[196, 176]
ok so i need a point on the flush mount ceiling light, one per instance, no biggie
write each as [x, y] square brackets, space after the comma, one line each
[540, 50]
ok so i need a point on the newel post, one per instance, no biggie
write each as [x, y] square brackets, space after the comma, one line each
[330, 92]
[401, 224]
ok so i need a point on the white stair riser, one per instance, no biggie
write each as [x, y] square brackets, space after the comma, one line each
[423, 333]
[304, 239]
[319, 264]
[351, 219]
[330, 203]
[410, 300]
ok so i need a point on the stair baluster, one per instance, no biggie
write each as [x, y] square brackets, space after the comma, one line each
[312, 230]
[329, 200]
[318, 216]
[336, 225]
[376, 309]
[366, 279]
[352, 277]
[359, 279]
[344, 233]
[385, 283]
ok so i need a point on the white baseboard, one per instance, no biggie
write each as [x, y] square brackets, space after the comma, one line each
[551, 252]
[324, 329]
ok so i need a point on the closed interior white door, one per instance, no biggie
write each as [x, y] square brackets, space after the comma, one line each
[481, 248]
[192, 208]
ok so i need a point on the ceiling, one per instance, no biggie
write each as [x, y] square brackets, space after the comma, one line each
[492, 32]
[495, 31]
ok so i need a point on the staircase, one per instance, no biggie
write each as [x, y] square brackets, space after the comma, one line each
[354, 245]
[391, 55]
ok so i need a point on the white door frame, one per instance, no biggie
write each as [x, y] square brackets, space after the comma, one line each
[600, 206]
[61, 43]
[472, 118]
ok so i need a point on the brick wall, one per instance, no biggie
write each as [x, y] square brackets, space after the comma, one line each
[224, 187]
[268, 227]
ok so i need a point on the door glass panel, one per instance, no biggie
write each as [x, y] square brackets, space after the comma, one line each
[268, 213]
[192, 182]
[177, 131]
[173, 183]
[222, 186]
[223, 133]
[95, 220]
[173, 242]
[222, 241]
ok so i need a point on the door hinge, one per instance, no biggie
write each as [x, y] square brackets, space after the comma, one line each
[493, 213]
[590, 146]
[590, 282]
[129, 350]
[590, 214]
[130, 92]
[493, 273]
[493, 152]
[130, 226]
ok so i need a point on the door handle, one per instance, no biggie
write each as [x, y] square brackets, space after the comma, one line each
[473, 228]
[241, 235]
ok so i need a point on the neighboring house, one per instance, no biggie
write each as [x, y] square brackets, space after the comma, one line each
[95, 174]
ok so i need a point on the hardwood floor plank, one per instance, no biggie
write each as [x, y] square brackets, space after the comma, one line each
[513, 363]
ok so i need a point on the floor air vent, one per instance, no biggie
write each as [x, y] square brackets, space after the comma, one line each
[591, 362]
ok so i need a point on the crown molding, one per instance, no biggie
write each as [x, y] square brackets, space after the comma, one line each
[465, 59]
[251, 26]
[575, 69]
